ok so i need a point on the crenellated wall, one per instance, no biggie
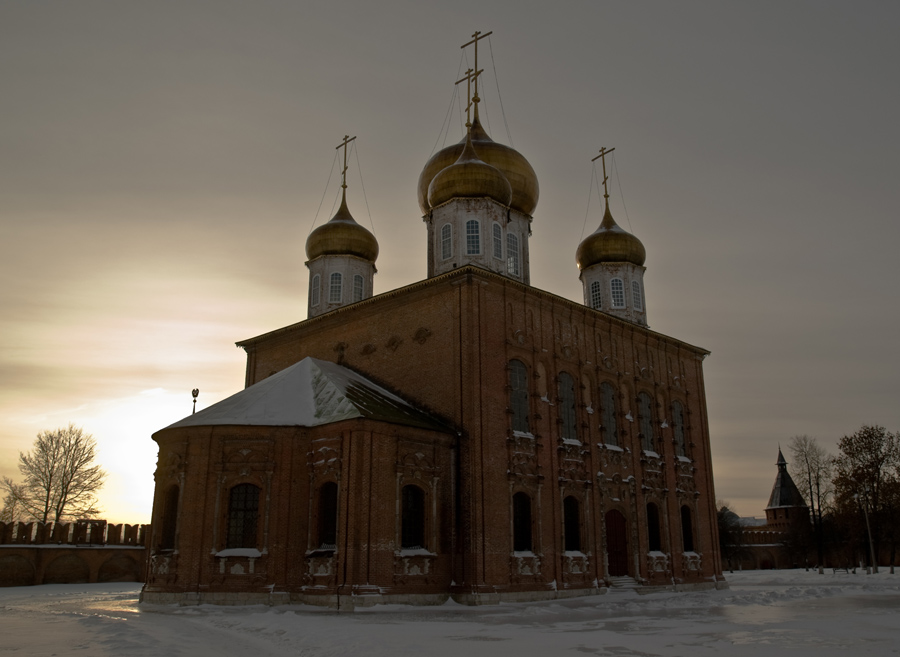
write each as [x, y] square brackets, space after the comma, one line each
[67, 553]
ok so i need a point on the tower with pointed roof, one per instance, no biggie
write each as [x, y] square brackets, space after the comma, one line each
[611, 264]
[786, 505]
[341, 258]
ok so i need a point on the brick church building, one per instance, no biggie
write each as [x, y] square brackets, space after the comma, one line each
[468, 436]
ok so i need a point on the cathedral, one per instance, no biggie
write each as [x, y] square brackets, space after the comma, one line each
[468, 436]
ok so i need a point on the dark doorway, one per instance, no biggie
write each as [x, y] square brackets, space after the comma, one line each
[616, 544]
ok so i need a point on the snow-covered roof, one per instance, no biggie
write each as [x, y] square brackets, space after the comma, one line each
[310, 393]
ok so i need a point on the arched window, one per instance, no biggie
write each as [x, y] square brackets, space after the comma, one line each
[243, 516]
[315, 288]
[645, 413]
[412, 533]
[518, 395]
[678, 428]
[687, 529]
[608, 414]
[636, 296]
[473, 237]
[358, 287]
[446, 241]
[521, 523]
[572, 524]
[567, 407]
[335, 289]
[328, 494]
[617, 292]
[497, 241]
[169, 519]
[512, 254]
[596, 296]
[654, 544]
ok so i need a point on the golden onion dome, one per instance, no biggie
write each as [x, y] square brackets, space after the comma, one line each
[469, 177]
[342, 236]
[512, 164]
[609, 243]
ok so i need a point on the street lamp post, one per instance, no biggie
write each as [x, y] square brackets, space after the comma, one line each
[869, 530]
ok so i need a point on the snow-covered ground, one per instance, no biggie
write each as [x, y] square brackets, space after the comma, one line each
[771, 613]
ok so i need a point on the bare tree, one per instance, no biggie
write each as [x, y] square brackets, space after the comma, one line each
[60, 479]
[811, 464]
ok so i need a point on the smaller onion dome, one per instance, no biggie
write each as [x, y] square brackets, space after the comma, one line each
[609, 243]
[342, 236]
[469, 177]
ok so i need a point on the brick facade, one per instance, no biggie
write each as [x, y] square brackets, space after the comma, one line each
[445, 345]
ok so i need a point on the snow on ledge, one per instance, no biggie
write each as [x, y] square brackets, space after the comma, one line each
[416, 552]
[523, 434]
[251, 553]
[651, 454]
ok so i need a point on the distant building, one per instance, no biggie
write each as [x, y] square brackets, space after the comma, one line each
[468, 435]
[780, 541]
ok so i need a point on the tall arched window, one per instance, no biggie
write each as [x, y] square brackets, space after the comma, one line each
[617, 292]
[473, 237]
[636, 296]
[497, 241]
[654, 543]
[335, 292]
[243, 516]
[522, 523]
[358, 287]
[518, 395]
[315, 289]
[169, 519]
[412, 518]
[678, 428]
[645, 413]
[572, 524]
[567, 407]
[446, 241]
[328, 509]
[687, 529]
[596, 296]
[608, 414]
[512, 254]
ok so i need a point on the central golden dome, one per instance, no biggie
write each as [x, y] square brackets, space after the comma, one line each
[469, 177]
[609, 243]
[512, 164]
[342, 236]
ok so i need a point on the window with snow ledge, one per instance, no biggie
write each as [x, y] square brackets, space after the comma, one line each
[567, 406]
[518, 396]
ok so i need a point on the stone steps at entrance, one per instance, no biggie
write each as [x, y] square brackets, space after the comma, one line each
[623, 583]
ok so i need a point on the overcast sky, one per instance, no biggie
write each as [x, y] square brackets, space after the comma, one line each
[162, 163]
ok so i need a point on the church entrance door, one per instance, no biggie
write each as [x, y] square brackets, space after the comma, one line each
[616, 544]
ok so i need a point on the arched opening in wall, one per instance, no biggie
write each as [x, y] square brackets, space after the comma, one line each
[572, 524]
[328, 509]
[243, 516]
[412, 530]
[616, 543]
[512, 254]
[687, 529]
[608, 413]
[567, 407]
[518, 396]
[119, 568]
[678, 428]
[315, 288]
[497, 240]
[645, 413]
[446, 241]
[16, 570]
[522, 534]
[169, 522]
[654, 542]
[67, 569]
[617, 293]
[636, 296]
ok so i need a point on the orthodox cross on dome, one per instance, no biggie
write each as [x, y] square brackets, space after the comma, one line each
[475, 39]
[470, 76]
[602, 157]
[343, 144]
